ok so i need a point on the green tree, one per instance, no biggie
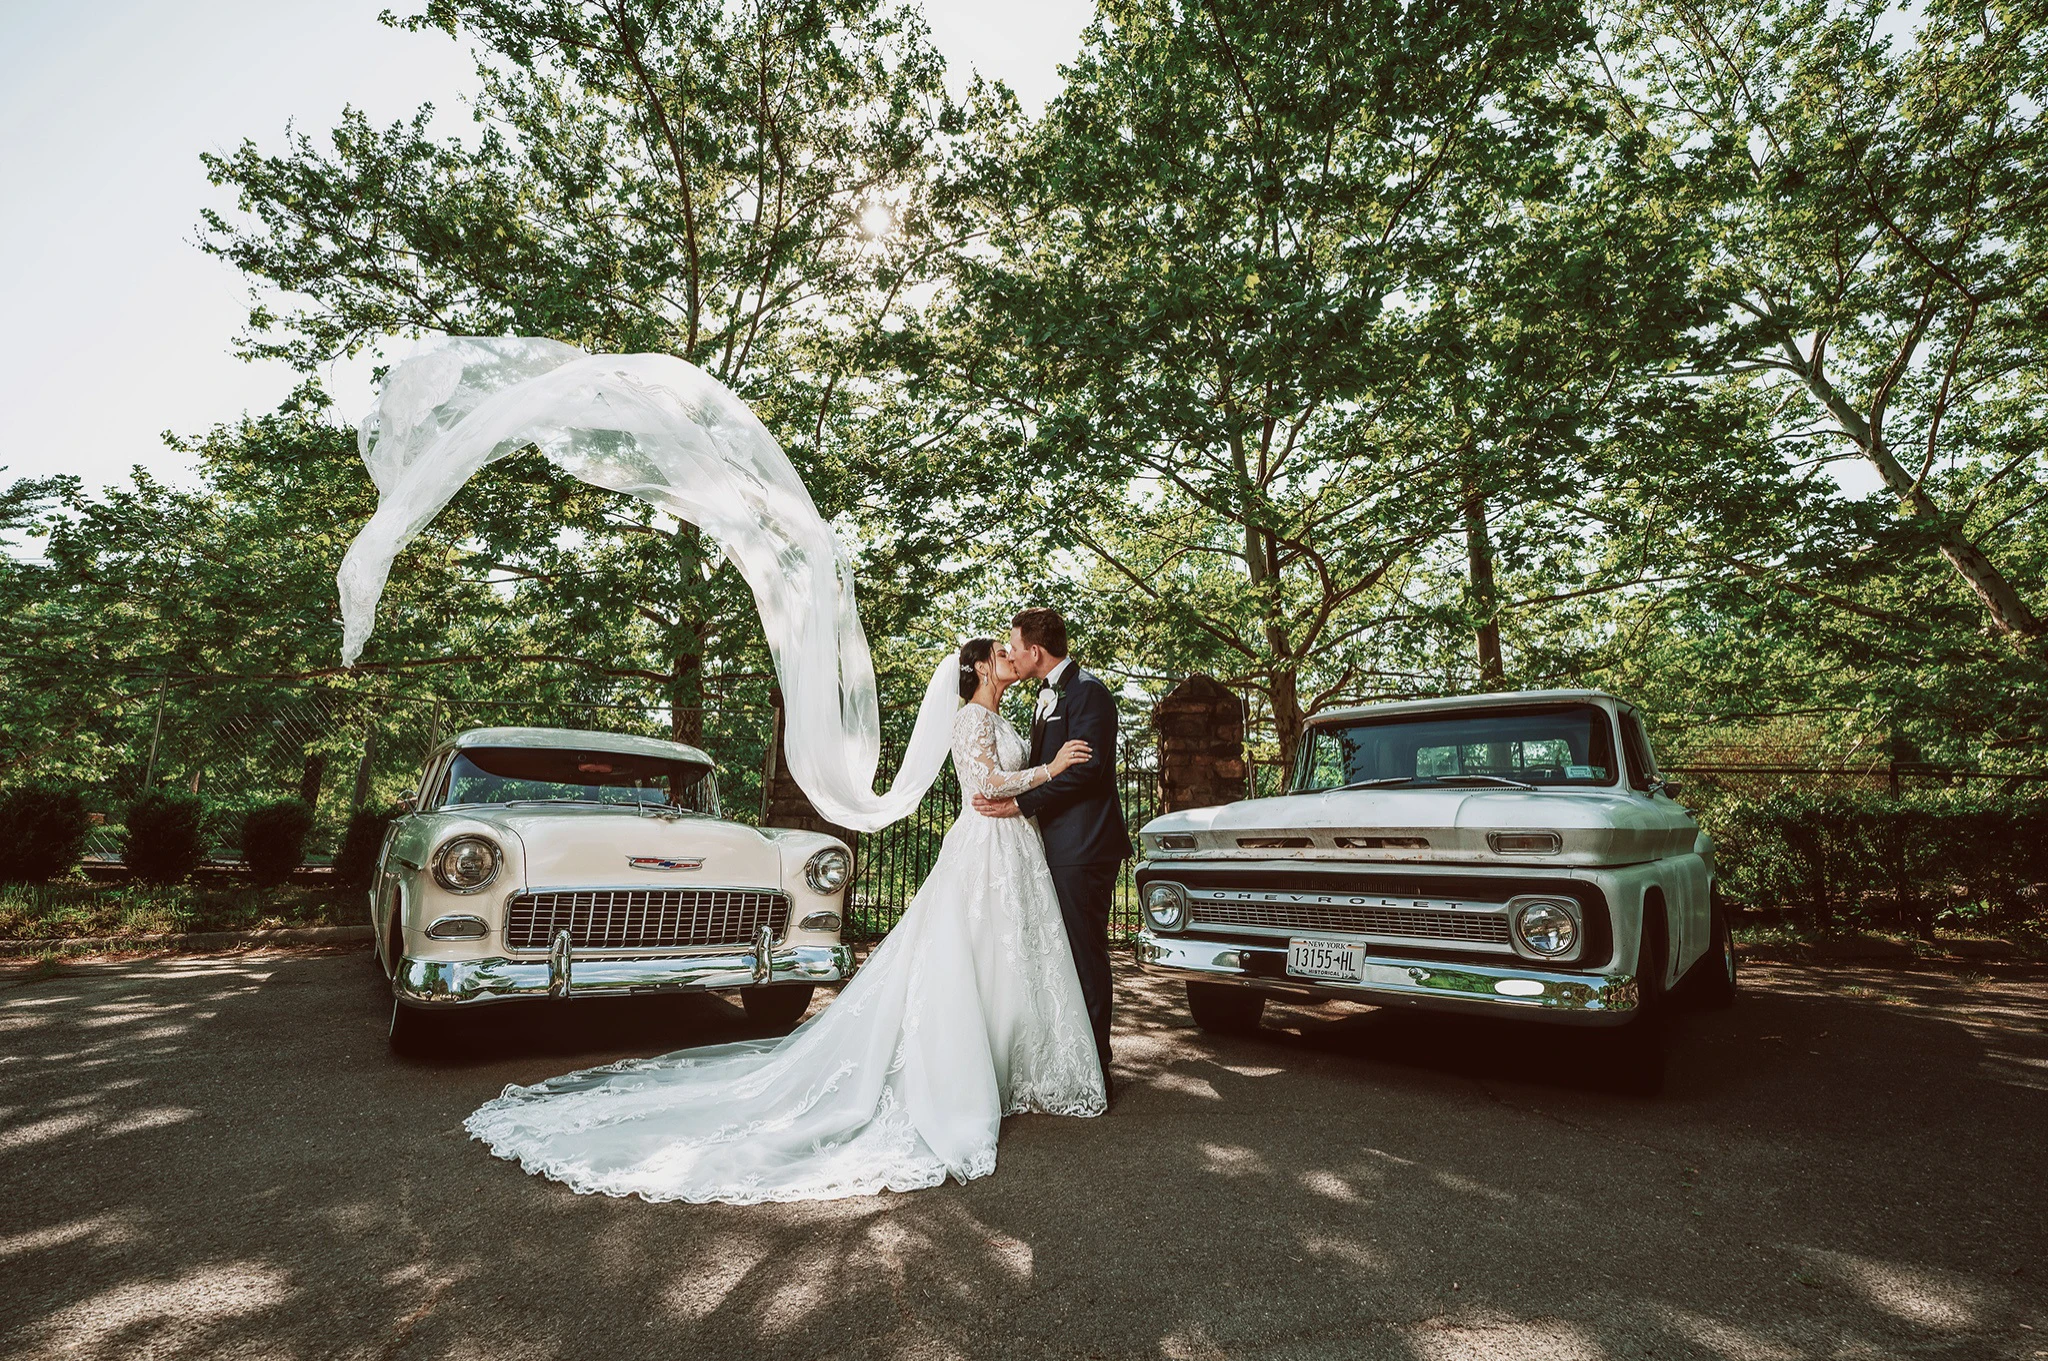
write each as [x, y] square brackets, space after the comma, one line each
[1277, 302]
[1870, 205]
[745, 186]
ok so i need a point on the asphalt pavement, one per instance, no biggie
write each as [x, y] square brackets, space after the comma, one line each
[216, 1157]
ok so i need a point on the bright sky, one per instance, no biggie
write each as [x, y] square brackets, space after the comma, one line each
[113, 326]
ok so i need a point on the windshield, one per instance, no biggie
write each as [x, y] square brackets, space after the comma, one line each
[1553, 744]
[566, 775]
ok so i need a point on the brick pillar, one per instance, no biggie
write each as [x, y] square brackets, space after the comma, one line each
[783, 801]
[1201, 745]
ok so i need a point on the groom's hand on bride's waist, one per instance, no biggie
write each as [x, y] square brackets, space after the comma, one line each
[995, 808]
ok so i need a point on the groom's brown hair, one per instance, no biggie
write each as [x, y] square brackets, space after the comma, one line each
[1044, 628]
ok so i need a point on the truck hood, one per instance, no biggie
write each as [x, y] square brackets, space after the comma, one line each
[570, 846]
[1594, 827]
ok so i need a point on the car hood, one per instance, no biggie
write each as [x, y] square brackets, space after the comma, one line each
[1594, 827]
[569, 846]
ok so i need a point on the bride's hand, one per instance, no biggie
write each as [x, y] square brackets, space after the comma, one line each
[1071, 755]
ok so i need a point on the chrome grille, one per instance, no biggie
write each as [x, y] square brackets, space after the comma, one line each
[644, 918]
[1479, 927]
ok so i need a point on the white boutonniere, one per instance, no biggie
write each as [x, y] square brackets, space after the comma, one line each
[1048, 700]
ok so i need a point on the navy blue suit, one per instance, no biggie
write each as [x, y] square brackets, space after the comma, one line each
[1082, 822]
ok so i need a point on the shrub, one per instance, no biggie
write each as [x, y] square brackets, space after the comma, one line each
[1873, 858]
[165, 840]
[42, 832]
[274, 840]
[357, 859]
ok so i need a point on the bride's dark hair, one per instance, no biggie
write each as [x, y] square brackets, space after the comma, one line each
[973, 651]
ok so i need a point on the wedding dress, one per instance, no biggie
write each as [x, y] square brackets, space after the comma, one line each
[968, 1011]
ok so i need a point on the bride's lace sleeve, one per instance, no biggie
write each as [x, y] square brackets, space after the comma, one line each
[976, 762]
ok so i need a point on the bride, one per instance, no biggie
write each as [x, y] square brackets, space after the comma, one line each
[968, 1011]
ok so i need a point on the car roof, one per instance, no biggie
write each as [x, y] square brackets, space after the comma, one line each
[1445, 703]
[580, 739]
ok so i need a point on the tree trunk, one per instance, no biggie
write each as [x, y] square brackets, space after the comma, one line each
[1287, 718]
[310, 777]
[1485, 597]
[686, 678]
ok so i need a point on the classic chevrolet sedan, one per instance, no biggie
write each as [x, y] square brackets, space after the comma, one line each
[540, 863]
[1505, 854]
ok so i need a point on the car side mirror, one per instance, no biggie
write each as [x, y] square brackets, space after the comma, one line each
[1672, 788]
[408, 803]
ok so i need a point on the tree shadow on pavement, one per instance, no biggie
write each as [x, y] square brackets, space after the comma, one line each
[218, 1157]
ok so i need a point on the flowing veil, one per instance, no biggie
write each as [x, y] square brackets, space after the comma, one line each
[663, 430]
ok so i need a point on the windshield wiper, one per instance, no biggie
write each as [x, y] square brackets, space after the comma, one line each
[1427, 781]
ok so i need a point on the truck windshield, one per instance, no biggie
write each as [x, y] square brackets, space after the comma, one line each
[565, 775]
[1552, 744]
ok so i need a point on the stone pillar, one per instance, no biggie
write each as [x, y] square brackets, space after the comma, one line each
[1201, 745]
[783, 801]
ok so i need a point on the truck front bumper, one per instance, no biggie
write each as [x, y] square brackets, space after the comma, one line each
[468, 982]
[1476, 989]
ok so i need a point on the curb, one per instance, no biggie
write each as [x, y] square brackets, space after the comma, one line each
[194, 942]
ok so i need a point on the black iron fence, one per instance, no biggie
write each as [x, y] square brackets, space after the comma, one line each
[896, 860]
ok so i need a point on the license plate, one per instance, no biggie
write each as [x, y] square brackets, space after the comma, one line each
[1326, 959]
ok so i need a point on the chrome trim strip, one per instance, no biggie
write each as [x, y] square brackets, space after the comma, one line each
[1587, 999]
[471, 982]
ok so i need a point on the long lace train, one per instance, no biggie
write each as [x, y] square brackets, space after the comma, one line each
[969, 1010]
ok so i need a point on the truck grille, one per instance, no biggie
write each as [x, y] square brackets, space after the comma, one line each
[644, 918]
[1478, 927]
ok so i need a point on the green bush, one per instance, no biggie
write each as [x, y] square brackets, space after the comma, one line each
[357, 859]
[42, 832]
[1903, 862]
[165, 839]
[274, 839]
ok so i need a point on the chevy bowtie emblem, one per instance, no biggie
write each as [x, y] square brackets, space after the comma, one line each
[661, 862]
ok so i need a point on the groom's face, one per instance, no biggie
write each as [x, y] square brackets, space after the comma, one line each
[1029, 660]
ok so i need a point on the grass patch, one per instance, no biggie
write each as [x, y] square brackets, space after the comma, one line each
[30, 912]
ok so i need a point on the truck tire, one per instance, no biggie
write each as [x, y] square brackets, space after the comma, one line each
[1225, 1009]
[778, 1009]
[1716, 980]
[1635, 1053]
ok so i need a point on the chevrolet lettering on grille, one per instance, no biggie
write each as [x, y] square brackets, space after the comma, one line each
[1346, 899]
[656, 862]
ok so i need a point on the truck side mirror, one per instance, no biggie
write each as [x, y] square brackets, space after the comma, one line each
[1671, 787]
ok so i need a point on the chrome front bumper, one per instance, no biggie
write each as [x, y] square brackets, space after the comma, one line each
[1583, 999]
[467, 982]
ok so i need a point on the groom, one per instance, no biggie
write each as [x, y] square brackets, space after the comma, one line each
[1086, 842]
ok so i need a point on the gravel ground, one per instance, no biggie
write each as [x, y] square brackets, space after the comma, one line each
[205, 1157]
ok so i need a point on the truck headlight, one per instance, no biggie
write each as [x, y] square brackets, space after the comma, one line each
[466, 863]
[826, 871]
[1166, 906]
[1547, 928]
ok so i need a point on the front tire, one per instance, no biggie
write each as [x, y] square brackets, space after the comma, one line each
[1635, 1057]
[1716, 979]
[776, 1010]
[1225, 1009]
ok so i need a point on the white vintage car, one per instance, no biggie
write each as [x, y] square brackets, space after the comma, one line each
[551, 863]
[1508, 854]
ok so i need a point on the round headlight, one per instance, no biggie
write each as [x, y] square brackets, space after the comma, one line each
[826, 871]
[1166, 906]
[465, 864]
[1547, 928]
